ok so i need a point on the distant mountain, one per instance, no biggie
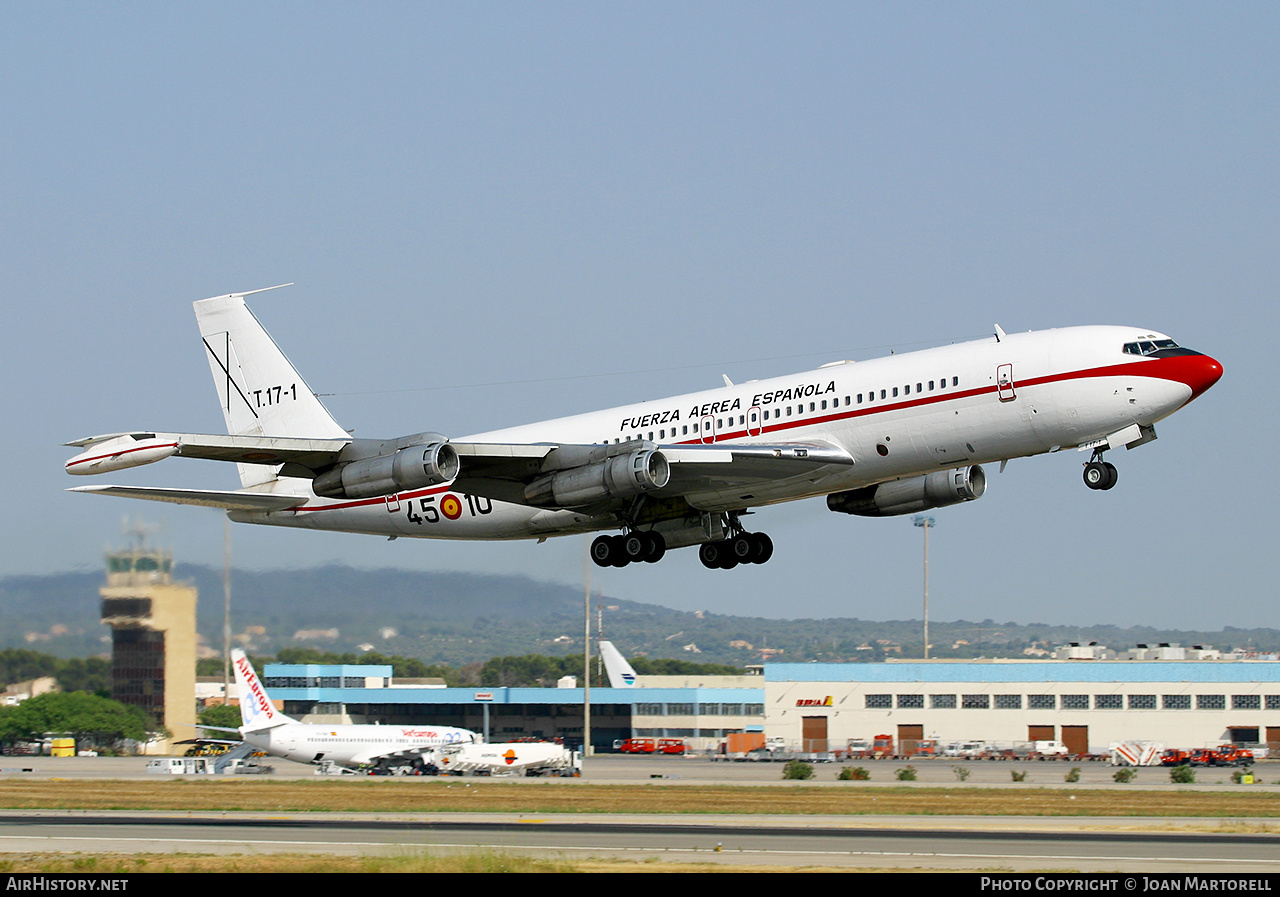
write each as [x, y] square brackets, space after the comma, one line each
[459, 618]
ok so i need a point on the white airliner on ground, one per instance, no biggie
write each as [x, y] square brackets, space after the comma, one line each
[893, 435]
[270, 731]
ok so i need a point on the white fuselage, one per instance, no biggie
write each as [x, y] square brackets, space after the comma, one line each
[351, 745]
[897, 416]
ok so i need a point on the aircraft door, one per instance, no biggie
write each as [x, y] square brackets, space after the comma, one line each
[708, 429]
[1004, 383]
[755, 422]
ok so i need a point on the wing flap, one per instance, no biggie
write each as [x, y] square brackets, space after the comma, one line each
[312, 454]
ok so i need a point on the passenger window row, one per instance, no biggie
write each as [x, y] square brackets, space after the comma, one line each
[685, 430]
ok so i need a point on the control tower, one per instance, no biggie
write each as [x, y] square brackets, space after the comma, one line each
[153, 637]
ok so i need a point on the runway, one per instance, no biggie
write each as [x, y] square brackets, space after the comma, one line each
[1016, 845]
[1012, 844]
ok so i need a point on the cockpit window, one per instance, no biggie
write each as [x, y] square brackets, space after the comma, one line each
[1156, 348]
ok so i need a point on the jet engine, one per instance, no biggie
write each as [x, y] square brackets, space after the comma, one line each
[620, 477]
[413, 467]
[934, 490]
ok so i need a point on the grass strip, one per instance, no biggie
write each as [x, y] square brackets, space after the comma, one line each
[484, 796]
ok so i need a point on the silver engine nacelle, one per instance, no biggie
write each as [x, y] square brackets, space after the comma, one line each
[934, 490]
[415, 467]
[621, 477]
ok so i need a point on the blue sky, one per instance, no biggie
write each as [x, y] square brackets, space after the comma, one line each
[498, 213]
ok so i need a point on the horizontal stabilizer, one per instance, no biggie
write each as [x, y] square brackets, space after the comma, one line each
[205, 498]
[215, 729]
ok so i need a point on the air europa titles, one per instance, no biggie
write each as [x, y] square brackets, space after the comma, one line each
[259, 696]
[760, 399]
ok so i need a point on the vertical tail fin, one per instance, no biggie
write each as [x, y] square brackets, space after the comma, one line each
[620, 673]
[256, 710]
[260, 391]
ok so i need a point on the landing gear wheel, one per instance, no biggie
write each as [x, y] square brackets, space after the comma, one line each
[710, 553]
[1112, 475]
[655, 547]
[1096, 476]
[742, 548]
[634, 547]
[618, 551]
[762, 548]
[602, 551]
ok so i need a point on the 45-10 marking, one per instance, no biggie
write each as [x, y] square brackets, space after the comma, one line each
[426, 510]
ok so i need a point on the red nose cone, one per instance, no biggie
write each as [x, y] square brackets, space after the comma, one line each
[1203, 374]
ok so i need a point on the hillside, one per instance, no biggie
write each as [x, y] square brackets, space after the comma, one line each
[462, 618]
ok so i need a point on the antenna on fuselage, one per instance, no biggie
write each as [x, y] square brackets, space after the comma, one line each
[999, 334]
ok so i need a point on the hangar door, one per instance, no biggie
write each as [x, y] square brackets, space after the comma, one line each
[909, 738]
[1039, 733]
[813, 733]
[1076, 739]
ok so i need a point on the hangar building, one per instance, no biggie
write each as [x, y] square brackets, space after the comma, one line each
[1085, 704]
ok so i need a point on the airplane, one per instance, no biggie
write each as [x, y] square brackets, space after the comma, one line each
[888, 436]
[270, 731]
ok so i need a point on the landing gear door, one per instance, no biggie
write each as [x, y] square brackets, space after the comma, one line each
[1004, 383]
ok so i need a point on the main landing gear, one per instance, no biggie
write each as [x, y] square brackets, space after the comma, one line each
[725, 554]
[1099, 474]
[744, 548]
[618, 551]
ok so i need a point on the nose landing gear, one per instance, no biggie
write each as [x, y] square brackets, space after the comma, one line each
[1099, 474]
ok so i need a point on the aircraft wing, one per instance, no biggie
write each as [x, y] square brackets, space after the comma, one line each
[206, 498]
[698, 466]
[115, 451]
[512, 472]
[553, 476]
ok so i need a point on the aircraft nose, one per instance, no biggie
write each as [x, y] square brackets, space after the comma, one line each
[1202, 373]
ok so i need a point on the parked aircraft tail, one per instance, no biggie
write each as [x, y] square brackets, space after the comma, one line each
[260, 391]
[256, 710]
[620, 673]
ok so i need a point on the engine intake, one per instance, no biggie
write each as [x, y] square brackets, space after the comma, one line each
[621, 477]
[414, 467]
[934, 490]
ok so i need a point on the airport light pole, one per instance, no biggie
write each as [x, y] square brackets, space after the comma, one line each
[586, 651]
[925, 523]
